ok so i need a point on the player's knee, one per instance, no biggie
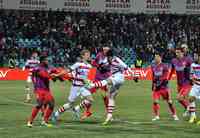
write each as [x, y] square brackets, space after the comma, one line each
[191, 99]
[110, 82]
[169, 101]
[155, 102]
[39, 104]
[51, 104]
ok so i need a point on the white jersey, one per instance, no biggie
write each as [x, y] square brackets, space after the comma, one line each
[195, 72]
[80, 70]
[30, 64]
[117, 65]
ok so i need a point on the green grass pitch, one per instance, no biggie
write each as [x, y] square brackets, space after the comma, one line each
[133, 115]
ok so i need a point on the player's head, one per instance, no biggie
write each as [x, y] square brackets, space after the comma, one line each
[158, 57]
[179, 52]
[44, 60]
[110, 55]
[185, 48]
[34, 55]
[85, 55]
[105, 49]
[197, 57]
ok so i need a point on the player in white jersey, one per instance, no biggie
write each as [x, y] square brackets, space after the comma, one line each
[117, 67]
[80, 72]
[195, 91]
[30, 64]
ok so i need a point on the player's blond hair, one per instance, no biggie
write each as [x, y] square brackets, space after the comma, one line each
[82, 53]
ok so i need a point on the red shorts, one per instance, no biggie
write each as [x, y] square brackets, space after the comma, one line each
[94, 90]
[165, 93]
[44, 96]
[184, 90]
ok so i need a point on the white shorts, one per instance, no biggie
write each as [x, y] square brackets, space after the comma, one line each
[29, 79]
[77, 91]
[195, 91]
[117, 80]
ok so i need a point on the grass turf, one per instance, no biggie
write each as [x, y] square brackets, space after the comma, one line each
[133, 115]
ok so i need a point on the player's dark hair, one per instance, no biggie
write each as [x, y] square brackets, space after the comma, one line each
[110, 53]
[159, 53]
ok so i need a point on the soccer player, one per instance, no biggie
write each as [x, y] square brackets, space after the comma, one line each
[102, 73]
[181, 64]
[80, 71]
[160, 87]
[30, 64]
[195, 91]
[40, 78]
[117, 66]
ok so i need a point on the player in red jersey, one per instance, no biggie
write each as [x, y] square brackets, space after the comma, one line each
[102, 73]
[40, 79]
[181, 64]
[160, 87]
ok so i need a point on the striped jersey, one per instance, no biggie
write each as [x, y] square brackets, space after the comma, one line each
[30, 64]
[80, 71]
[195, 72]
[117, 65]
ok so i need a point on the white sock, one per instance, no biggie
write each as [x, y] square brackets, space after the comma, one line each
[192, 108]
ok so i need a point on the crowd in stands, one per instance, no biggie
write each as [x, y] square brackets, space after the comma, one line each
[61, 35]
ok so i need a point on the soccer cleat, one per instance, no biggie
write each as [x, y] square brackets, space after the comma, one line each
[156, 118]
[175, 117]
[108, 120]
[29, 124]
[192, 119]
[86, 114]
[43, 123]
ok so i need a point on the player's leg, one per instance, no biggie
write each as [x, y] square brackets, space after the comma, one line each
[69, 105]
[193, 95]
[156, 105]
[86, 103]
[49, 101]
[113, 92]
[105, 96]
[36, 109]
[167, 97]
[28, 89]
[182, 94]
[116, 80]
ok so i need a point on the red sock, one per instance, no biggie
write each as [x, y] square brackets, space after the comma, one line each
[156, 108]
[172, 109]
[98, 84]
[47, 114]
[34, 114]
[184, 103]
